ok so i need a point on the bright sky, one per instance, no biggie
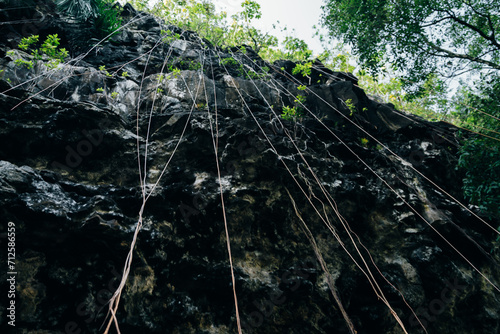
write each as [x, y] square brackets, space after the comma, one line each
[300, 15]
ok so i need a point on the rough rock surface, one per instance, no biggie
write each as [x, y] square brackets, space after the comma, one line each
[69, 181]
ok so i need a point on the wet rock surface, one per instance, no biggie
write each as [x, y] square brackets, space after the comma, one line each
[70, 182]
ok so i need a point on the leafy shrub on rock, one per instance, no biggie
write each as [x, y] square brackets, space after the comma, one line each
[102, 14]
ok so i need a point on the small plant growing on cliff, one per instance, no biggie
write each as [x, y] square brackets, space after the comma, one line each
[304, 70]
[351, 106]
[168, 36]
[20, 61]
[291, 113]
[194, 66]
[229, 62]
[103, 69]
[288, 113]
[176, 72]
[26, 42]
[49, 50]
[254, 75]
[300, 99]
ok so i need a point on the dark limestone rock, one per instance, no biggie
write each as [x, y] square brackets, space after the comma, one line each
[70, 182]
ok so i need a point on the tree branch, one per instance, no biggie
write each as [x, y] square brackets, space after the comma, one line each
[449, 54]
[481, 33]
[475, 10]
[435, 22]
[492, 28]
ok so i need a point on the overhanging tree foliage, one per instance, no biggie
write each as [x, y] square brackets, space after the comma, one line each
[419, 37]
[479, 109]
[425, 38]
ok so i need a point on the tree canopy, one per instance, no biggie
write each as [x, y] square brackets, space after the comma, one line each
[426, 41]
[419, 37]
[479, 110]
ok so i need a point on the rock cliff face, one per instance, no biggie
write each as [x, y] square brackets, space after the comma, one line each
[350, 203]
